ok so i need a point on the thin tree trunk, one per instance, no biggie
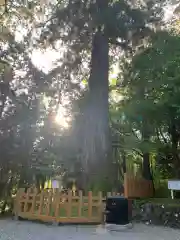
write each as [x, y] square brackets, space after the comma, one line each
[146, 155]
[146, 168]
[175, 140]
[176, 160]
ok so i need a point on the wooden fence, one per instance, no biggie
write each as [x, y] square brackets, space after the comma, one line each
[54, 206]
[137, 187]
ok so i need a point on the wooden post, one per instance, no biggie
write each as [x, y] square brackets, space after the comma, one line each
[26, 201]
[16, 208]
[49, 200]
[54, 197]
[69, 205]
[34, 200]
[125, 185]
[41, 202]
[90, 205]
[57, 199]
[100, 207]
[16, 205]
[80, 204]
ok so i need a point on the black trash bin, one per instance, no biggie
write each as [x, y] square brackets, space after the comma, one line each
[117, 210]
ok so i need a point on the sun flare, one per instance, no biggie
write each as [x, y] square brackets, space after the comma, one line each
[62, 118]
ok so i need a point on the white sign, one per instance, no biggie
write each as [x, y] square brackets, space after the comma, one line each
[174, 184]
[55, 184]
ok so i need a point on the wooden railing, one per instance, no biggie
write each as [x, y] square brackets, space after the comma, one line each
[54, 206]
[137, 187]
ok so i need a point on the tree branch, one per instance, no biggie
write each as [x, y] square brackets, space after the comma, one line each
[162, 135]
[136, 151]
[135, 134]
[123, 45]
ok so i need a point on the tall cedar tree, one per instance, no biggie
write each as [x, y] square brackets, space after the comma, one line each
[105, 24]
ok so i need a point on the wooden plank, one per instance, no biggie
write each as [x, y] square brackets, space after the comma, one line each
[125, 186]
[34, 200]
[44, 218]
[49, 201]
[17, 203]
[75, 198]
[57, 204]
[80, 204]
[137, 187]
[69, 205]
[100, 207]
[26, 201]
[60, 220]
[89, 204]
[41, 202]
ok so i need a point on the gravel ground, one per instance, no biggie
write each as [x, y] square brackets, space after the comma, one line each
[22, 230]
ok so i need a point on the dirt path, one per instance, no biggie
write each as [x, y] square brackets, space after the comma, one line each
[12, 230]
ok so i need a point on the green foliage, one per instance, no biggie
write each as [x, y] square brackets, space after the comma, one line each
[144, 104]
[147, 119]
[158, 201]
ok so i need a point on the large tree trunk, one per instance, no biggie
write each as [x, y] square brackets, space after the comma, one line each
[96, 132]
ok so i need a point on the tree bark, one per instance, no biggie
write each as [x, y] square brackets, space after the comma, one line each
[175, 141]
[96, 149]
[146, 155]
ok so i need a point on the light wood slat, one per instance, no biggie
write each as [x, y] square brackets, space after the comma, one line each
[69, 205]
[49, 203]
[26, 201]
[80, 204]
[57, 204]
[33, 201]
[40, 202]
[90, 205]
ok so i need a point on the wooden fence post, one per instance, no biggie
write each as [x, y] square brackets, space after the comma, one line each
[41, 202]
[16, 208]
[125, 185]
[26, 201]
[69, 205]
[33, 200]
[80, 204]
[57, 202]
[100, 207]
[90, 204]
[49, 201]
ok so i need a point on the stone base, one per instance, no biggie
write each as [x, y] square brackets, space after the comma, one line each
[115, 227]
[55, 223]
[167, 215]
[15, 217]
